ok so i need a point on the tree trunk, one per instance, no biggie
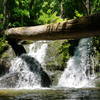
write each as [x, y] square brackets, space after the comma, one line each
[77, 28]
[18, 49]
[6, 14]
[62, 9]
[88, 6]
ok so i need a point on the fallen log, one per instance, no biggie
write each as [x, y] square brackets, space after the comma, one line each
[87, 26]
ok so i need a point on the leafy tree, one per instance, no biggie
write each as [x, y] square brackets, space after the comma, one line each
[14, 13]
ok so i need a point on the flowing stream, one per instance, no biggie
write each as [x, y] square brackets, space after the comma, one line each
[80, 68]
[38, 51]
[26, 71]
[26, 77]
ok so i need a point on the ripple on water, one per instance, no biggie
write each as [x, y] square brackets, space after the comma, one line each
[50, 94]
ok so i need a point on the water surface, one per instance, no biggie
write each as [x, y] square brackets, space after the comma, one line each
[51, 94]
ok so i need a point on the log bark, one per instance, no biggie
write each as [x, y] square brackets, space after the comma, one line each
[87, 26]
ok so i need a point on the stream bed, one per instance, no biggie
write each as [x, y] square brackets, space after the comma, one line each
[51, 94]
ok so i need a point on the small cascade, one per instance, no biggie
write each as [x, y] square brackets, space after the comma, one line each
[80, 68]
[38, 51]
[26, 70]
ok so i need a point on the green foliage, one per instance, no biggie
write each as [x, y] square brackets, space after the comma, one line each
[1, 5]
[95, 6]
[77, 14]
[19, 12]
[64, 50]
[1, 20]
[67, 49]
[34, 12]
[1, 16]
[3, 45]
[49, 17]
[21, 16]
[48, 13]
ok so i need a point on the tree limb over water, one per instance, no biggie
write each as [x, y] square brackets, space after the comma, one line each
[87, 26]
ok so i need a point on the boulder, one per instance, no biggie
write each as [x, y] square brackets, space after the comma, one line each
[4, 65]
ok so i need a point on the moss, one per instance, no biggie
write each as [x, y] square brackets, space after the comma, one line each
[3, 45]
[54, 60]
[55, 77]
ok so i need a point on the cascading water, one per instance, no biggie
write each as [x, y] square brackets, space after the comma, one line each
[80, 68]
[38, 51]
[26, 70]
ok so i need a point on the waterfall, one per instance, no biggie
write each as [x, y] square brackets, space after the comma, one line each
[80, 68]
[38, 51]
[26, 70]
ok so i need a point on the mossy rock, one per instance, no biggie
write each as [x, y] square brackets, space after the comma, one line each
[55, 77]
[97, 82]
[53, 59]
[5, 64]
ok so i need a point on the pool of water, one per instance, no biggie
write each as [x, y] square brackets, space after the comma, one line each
[50, 94]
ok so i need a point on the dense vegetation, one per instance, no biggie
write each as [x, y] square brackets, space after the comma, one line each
[15, 13]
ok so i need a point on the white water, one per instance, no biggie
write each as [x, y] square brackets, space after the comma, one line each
[26, 77]
[80, 68]
[38, 51]
[25, 71]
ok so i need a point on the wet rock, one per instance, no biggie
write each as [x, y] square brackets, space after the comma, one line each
[97, 81]
[25, 71]
[36, 68]
[55, 77]
[4, 65]
[45, 80]
[54, 60]
[9, 80]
